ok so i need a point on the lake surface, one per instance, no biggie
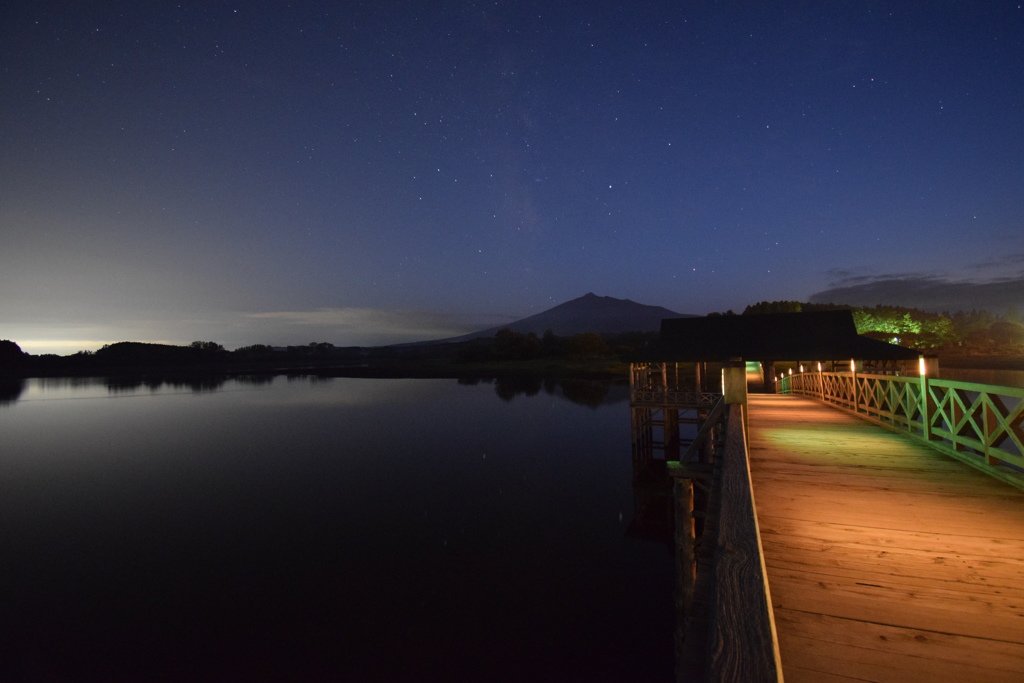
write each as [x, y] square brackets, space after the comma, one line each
[325, 529]
[1003, 378]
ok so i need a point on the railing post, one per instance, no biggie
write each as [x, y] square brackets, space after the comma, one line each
[928, 367]
[734, 389]
[821, 383]
[735, 381]
[926, 413]
[985, 433]
[856, 389]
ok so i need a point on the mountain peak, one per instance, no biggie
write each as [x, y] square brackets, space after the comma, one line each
[589, 313]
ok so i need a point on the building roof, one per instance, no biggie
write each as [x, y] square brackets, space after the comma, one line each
[821, 335]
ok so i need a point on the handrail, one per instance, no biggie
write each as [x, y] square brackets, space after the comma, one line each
[660, 396]
[743, 644]
[979, 424]
[718, 411]
[731, 635]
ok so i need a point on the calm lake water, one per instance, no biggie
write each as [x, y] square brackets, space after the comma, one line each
[312, 529]
[1003, 378]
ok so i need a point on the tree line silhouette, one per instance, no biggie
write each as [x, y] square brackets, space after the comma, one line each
[961, 333]
[197, 357]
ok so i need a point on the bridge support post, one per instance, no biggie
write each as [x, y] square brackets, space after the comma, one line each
[734, 389]
[734, 375]
[686, 556]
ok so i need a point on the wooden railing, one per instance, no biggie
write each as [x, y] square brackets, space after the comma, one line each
[654, 384]
[728, 631]
[660, 396]
[979, 424]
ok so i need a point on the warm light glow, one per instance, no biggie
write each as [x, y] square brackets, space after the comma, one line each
[819, 366]
[801, 368]
[921, 366]
[853, 365]
[60, 347]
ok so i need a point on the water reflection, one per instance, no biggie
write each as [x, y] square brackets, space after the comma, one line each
[10, 389]
[1002, 378]
[581, 391]
[507, 388]
[586, 392]
[341, 529]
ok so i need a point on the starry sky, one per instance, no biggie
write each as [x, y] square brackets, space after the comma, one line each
[379, 172]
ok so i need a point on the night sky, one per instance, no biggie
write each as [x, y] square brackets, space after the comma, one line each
[377, 172]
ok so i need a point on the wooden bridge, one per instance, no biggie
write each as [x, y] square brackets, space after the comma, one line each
[886, 560]
[821, 544]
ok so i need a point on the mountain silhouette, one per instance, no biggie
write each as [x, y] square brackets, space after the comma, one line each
[588, 313]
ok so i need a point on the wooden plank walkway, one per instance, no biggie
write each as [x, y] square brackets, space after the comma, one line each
[886, 560]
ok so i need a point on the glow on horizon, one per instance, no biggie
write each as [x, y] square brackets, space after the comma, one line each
[65, 347]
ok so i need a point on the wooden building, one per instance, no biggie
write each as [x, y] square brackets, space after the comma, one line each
[822, 336]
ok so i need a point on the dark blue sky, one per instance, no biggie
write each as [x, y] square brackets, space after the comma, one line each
[371, 172]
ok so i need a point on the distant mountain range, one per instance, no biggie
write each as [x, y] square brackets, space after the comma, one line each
[588, 313]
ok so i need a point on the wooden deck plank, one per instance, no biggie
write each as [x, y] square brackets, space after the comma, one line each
[891, 604]
[889, 510]
[921, 481]
[944, 649]
[911, 569]
[985, 549]
[871, 665]
[796, 674]
[886, 560]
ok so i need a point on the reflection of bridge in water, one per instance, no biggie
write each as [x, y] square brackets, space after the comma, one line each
[851, 533]
[667, 412]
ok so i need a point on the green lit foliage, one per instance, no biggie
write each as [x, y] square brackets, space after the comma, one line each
[906, 326]
[937, 332]
[970, 331]
[889, 320]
